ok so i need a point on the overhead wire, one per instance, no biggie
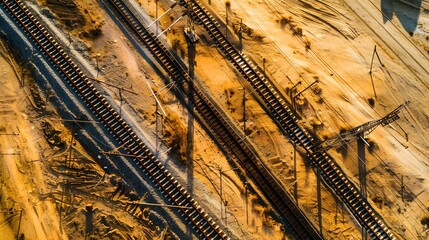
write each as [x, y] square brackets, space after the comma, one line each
[293, 65]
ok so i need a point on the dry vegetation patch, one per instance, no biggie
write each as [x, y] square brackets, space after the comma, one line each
[82, 21]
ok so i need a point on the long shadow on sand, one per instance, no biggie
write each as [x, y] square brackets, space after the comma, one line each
[407, 11]
[89, 222]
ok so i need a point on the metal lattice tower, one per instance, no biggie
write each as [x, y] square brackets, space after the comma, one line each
[360, 130]
[359, 133]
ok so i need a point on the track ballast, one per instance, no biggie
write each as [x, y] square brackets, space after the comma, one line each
[226, 134]
[332, 174]
[200, 221]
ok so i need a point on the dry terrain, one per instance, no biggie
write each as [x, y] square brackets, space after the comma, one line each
[62, 193]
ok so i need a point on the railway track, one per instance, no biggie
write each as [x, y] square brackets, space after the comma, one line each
[219, 126]
[332, 174]
[201, 222]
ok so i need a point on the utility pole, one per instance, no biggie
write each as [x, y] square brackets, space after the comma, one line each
[70, 39]
[374, 53]
[291, 91]
[362, 163]
[220, 193]
[402, 188]
[297, 95]
[246, 189]
[295, 190]
[244, 111]
[221, 190]
[192, 40]
[162, 114]
[226, 20]
[240, 37]
[96, 60]
[156, 17]
[263, 65]
[120, 90]
[319, 202]
[120, 101]
[358, 133]
[365, 128]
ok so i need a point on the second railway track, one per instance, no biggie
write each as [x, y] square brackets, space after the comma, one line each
[332, 174]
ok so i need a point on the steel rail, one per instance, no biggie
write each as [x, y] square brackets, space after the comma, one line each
[332, 174]
[218, 125]
[201, 222]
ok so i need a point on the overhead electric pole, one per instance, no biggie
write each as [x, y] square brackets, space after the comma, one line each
[359, 133]
[364, 129]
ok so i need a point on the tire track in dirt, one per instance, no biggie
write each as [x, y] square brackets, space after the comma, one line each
[316, 12]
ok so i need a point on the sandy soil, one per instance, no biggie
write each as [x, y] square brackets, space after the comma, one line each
[21, 143]
[332, 41]
[336, 46]
[61, 192]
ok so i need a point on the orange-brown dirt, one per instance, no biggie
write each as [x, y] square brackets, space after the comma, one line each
[331, 41]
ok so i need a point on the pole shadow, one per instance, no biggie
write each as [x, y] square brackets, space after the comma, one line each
[89, 222]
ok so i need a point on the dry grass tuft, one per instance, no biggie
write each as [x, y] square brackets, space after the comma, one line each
[307, 42]
[298, 31]
[425, 221]
[285, 20]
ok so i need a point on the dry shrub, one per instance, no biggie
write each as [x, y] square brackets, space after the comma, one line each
[174, 135]
[372, 145]
[315, 123]
[320, 99]
[92, 34]
[307, 42]
[257, 35]
[425, 221]
[427, 47]
[231, 92]
[285, 20]
[176, 44]
[298, 31]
